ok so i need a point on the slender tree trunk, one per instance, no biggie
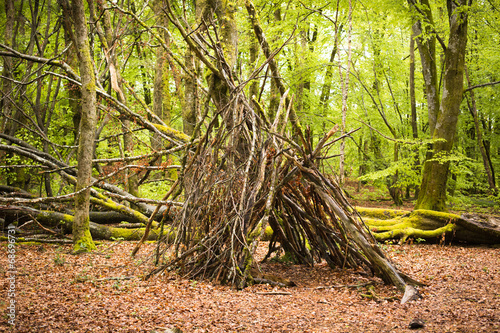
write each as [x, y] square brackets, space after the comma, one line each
[345, 93]
[327, 86]
[274, 92]
[82, 238]
[300, 69]
[228, 34]
[253, 91]
[432, 194]
[8, 97]
[413, 105]
[426, 42]
[161, 92]
[190, 95]
[131, 178]
[6, 93]
[471, 102]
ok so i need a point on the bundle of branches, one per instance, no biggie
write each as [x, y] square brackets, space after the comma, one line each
[249, 174]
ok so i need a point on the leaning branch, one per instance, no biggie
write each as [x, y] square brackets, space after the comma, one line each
[163, 130]
[482, 85]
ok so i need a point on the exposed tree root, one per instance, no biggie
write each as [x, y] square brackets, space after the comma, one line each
[430, 225]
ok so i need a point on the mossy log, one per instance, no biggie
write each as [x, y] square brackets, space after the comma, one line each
[388, 224]
[111, 217]
[65, 223]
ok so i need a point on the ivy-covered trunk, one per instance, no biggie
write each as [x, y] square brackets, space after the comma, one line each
[432, 193]
[82, 238]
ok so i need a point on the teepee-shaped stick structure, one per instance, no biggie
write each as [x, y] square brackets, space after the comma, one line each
[249, 172]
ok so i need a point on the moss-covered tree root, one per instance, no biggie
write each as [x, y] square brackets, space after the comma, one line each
[388, 224]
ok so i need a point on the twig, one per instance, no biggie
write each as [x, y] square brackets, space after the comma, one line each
[117, 278]
[272, 293]
[347, 285]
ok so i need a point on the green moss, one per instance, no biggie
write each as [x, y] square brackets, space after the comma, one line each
[90, 86]
[136, 234]
[416, 225]
[84, 243]
[375, 222]
[442, 216]
[173, 133]
[401, 225]
[254, 233]
[268, 234]
[47, 215]
[405, 233]
[379, 213]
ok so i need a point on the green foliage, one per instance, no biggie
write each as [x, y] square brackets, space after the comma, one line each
[404, 168]
[378, 98]
[59, 260]
[82, 277]
[287, 258]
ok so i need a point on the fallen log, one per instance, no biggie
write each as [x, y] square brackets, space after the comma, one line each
[388, 224]
[111, 217]
[65, 223]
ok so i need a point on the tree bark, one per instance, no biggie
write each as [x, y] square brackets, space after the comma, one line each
[345, 93]
[411, 84]
[161, 92]
[327, 86]
[413, 106]
[82, 238]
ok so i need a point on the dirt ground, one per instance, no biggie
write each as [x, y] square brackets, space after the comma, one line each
[103, 292]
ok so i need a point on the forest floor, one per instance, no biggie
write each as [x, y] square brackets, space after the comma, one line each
[104, 292]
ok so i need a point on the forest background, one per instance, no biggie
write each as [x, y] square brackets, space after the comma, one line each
[383, 71]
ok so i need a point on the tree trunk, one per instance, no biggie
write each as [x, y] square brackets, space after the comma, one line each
[82, 238]
[6, 94]
[471, 103]
[413, 105]
[253, 91]
[432, 193]
[326, 88]
[345, 92]
[426, 42]
[161, 91]
[274, 92]
[190, 95]
[426, 225]
[411, 84]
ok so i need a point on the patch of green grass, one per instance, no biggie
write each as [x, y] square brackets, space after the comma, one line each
[59, 260]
